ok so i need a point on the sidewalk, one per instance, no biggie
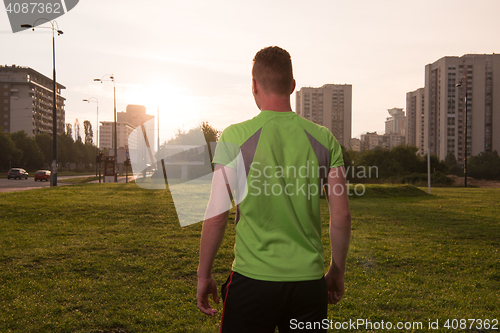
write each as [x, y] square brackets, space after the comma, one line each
[121, 179]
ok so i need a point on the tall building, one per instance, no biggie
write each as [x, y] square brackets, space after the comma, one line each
[26, 101]
[329, 106]
[415, 119]
[106, 132]
[134, 115]
[444, 108]
[396, 123]
[127, 121]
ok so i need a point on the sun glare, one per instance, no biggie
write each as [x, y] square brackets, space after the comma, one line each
[177, 106]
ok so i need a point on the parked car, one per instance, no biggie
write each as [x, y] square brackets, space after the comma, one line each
[17, 173]
[42, 175]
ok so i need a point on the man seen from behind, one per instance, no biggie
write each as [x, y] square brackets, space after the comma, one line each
[278, 275]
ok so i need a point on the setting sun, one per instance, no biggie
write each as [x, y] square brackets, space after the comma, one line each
[177, 107]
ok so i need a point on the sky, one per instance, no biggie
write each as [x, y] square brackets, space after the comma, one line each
[191, 60]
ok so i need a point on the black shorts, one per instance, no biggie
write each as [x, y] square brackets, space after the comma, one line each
[256, 306]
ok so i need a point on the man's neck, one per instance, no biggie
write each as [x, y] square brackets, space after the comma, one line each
[276, 103]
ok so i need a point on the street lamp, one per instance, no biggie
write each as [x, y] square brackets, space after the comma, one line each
[112, 78]
[93, 99]
[464, 81]
[54, 103]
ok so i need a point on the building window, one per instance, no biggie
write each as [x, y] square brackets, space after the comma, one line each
[5, 123]
[6, 101]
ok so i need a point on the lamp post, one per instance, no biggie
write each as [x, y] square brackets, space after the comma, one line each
[464, 81]
[93, 99]
[54, 88]
[112, 78]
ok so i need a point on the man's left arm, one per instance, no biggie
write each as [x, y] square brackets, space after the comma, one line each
[214, 227]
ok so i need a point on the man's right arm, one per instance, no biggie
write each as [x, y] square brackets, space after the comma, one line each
[340, 232]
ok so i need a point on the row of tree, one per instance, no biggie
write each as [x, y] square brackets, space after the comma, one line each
[399, 164]
[403, 164]
[20, 150]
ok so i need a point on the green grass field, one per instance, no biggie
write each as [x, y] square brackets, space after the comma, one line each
[113, 258]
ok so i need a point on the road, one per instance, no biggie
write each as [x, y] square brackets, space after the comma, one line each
[12, 185]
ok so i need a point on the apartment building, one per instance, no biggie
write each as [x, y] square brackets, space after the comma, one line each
[26, 101]
[372, 140]
[355, 144]
[106, 132]
[127, 121]
[415, 119]
[329, 105]
[444, 107]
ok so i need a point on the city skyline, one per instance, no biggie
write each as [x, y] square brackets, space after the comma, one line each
[193, 61]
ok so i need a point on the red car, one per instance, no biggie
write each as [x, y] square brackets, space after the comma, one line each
[42, 175]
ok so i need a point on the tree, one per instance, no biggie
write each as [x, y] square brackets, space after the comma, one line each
[399, 163]
[211, 133]
[78, 137]
[32, 157]
[455, 169]
[10, 155]
[89, 134]
[450, 159]
[44, 142]
[484, 166]
[79, 153]
[437, 165]
[69, 130]
[407, 158]
[195, 136]
[65, 148]
[349, 156]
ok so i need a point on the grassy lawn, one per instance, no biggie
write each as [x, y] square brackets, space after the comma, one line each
[113, 258]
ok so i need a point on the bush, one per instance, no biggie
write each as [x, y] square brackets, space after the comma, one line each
[484, 166]
[457, 170]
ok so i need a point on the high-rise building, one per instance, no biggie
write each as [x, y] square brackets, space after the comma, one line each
[415, 119]
[127, 121]
[26, 101]
[106, 132]
[396, 123]
[329, 106]
[132, 118]
[134, 114]
[444, 108]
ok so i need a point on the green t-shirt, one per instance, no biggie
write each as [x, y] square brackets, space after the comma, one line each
[286, 160]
